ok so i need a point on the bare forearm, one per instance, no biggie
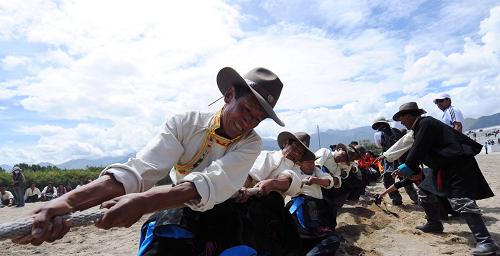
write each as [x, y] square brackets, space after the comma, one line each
[165, 197]
[392, 188]
[104, 188]
[458, 126]
[323, 182]
[282, 183]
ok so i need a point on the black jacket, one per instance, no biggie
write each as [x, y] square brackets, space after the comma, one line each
[451, 155]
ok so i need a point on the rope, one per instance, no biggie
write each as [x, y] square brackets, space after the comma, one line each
[22, 228]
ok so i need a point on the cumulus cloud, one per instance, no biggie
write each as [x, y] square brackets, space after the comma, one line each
[118, 69]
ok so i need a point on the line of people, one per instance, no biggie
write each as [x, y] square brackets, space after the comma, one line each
[215, 163]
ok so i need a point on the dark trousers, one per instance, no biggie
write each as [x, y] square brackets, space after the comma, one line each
[19, 194]
[32, 199]
[389, 181]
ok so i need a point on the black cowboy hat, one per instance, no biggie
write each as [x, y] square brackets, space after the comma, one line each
[379, 121]
[409, 107]
[301, 137]
[263, 83]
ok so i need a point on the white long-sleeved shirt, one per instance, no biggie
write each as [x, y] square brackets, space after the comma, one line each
[314, 190]
[400, 147]
[377, 139]
[44, 191]
[7, 195]
[30, 192]
[325, 158]
[217, 175]
[271, 165]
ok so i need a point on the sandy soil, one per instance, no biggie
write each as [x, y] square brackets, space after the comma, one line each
[365, 228]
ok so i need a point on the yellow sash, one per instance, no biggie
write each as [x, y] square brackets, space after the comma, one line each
[204, 149]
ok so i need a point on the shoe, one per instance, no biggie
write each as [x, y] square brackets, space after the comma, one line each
[397, 202]
[434, 227]
[484, 243]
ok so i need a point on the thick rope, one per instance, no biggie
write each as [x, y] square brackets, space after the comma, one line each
[22, 228]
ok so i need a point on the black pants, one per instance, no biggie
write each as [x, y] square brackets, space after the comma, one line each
[32, 199]
[262, 223]
[389, 181]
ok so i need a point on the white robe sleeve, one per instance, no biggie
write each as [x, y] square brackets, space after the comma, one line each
[400, 147]
[153, 162]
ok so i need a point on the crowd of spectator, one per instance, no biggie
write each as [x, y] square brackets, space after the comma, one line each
[22, 194]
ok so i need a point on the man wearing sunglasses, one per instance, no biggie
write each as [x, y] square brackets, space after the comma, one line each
[452, 116]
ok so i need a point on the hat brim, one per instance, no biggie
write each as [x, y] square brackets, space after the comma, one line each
[284, 137]
[351, 152]
[227, 77]
[402, 112]
[377, 124]
[344, 147]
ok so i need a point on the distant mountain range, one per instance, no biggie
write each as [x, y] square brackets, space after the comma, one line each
[326, 138]
[329, 137]
[481, 122]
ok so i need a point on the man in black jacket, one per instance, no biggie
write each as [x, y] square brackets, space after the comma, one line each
[385, 137]
[457, 174]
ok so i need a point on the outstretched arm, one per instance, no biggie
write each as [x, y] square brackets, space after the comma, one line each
[48, 227]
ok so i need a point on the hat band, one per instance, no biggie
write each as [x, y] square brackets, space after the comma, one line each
[262, 91]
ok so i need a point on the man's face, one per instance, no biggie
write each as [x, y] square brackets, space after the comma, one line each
[307, 166]
[241, 115]
[340, 156]
[443, 104]
[2, 190]
[407, 120]
[293, 150]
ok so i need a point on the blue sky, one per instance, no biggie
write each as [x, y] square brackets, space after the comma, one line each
[88, 79]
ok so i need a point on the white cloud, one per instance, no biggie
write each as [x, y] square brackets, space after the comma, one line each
[134, 64]
[11, 62]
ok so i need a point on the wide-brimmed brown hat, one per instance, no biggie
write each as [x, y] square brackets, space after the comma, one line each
[409, 107]
[264, 84]
[352, 153]
[301, 137]
[379, 121]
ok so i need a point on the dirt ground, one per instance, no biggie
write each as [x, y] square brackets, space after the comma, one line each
[365, 228]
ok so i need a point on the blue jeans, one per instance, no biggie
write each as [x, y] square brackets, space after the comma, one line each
[19, 194]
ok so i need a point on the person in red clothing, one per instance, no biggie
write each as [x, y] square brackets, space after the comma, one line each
[369, 166]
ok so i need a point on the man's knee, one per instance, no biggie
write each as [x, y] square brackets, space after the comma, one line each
[464, 205]
[427, 197]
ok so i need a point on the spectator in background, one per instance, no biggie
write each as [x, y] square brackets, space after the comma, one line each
[18, 181]
[32, 194]
[7, 197]
[49, 192]
[452, 116]
[68, 187]
[80, 184]
[61, 190]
